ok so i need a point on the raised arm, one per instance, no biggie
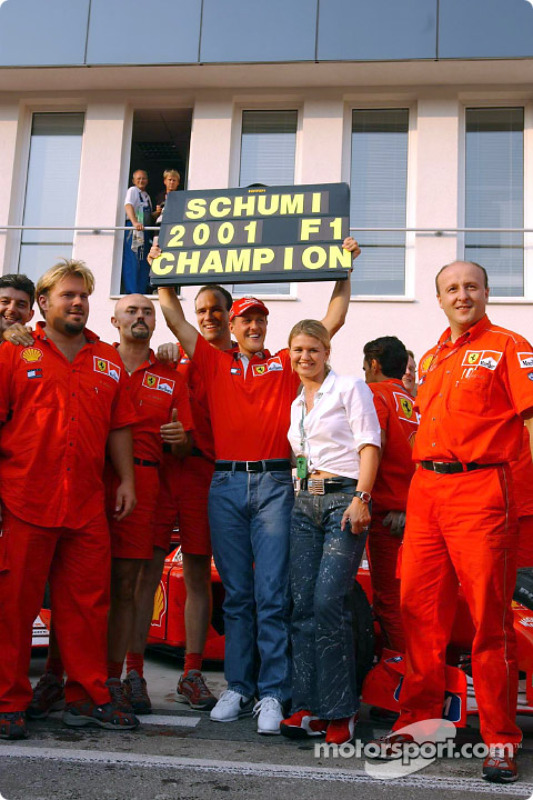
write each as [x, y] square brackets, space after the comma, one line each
[340, 298]
[173, 312]
[186, 334]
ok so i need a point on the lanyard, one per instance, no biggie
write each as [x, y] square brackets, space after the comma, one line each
[303, 437]
[302, 465]
[438, 359]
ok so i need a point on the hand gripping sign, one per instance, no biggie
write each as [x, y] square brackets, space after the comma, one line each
[254, 235]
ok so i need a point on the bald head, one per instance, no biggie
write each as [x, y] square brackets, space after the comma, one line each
[134, 300]
[484, 279]
[462, 294]
[134, 318]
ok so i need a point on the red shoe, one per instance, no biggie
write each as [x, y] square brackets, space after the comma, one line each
[500, 766]
[84, 712]
[302, 724]
[341, 730]
[192, 689]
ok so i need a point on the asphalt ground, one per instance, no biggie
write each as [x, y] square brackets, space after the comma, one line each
[180, 753]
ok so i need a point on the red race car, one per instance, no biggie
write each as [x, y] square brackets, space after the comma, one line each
[381, 684]
[168, 626]
[379, 671]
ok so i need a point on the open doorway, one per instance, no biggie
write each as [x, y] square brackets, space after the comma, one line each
[160, 142]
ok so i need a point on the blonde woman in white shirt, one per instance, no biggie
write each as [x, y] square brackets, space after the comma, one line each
[335, 437]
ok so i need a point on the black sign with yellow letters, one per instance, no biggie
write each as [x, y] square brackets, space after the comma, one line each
[254, 235]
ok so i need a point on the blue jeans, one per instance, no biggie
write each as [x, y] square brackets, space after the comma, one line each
[135, 270]
[324, 561]
[249, 516]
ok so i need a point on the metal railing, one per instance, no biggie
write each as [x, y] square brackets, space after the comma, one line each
[97, 229]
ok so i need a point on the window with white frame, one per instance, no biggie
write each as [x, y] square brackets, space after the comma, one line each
[379, 198]
[51, 190]
[494, 195]
[268, 147]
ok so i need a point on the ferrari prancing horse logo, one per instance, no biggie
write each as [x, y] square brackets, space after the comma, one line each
[407, 407]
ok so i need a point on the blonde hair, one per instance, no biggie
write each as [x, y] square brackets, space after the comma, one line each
[168, 172]
[314, 328]
[64, 269]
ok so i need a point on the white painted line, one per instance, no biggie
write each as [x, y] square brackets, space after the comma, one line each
[170, 720]
[259, 770]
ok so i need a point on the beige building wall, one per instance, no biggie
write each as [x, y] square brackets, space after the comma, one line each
[436, 164]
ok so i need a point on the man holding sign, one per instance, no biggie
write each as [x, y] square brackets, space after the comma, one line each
[249, 396]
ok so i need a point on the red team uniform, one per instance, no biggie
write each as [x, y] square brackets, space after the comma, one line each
[185, 482]
[399, 420]
[56, 416]
[522, 470]
[155, 389]
[462, 524]
[250, 415]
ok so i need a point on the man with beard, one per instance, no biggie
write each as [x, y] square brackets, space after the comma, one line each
[159, 396]
[157, 393]
[63, 400]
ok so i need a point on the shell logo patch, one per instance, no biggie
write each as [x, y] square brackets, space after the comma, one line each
[105, 367]
[31, 355]
[151, 381]
[426, 363]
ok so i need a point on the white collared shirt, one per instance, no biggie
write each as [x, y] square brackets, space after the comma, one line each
[342, 421]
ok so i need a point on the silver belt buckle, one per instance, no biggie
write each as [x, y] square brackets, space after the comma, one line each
[316, 486]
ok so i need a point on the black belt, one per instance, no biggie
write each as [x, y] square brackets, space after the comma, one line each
[142, 462]
[450, 467]
[324, 485]
[268, 465]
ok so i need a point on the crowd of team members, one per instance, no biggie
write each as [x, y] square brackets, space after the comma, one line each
[103, 449]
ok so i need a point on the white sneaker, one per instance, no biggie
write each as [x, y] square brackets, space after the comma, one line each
[269, 713]
[231, 706]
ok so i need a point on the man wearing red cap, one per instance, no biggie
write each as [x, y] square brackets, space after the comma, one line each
[249, 394]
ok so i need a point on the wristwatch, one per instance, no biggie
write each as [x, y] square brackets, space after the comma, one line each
[365, 497]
